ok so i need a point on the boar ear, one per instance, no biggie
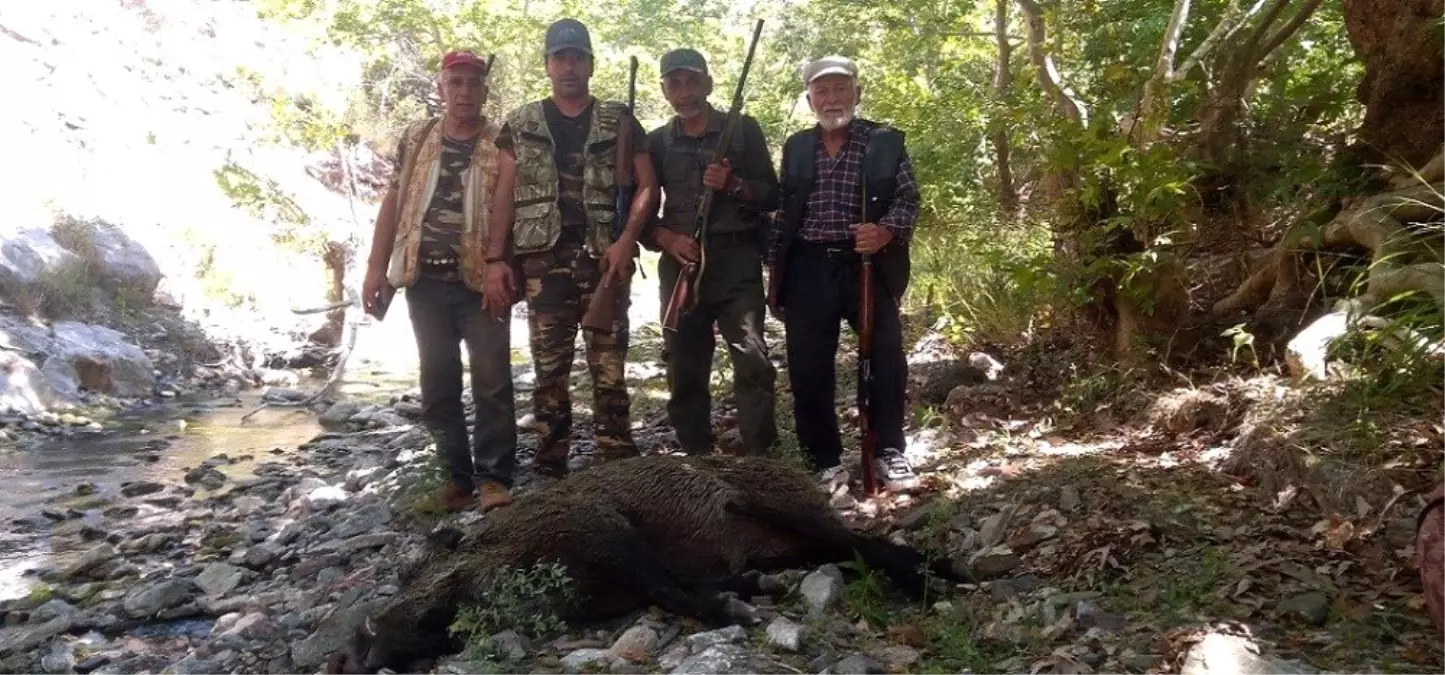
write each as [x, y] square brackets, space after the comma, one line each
[445, 537]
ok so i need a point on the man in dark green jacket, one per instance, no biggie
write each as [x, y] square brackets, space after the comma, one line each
[731, 290]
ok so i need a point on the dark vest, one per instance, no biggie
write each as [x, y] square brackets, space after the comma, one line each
[881, 158]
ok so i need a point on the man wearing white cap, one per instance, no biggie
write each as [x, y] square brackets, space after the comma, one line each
[824, 230]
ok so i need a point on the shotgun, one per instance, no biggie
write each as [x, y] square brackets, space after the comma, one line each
[868, 443]
[602, 309]
[687, 288]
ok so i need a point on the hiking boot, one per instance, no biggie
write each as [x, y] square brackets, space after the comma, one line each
[454, 497]
[894, 472]
[493, 495]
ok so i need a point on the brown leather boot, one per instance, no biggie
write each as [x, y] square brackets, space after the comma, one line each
[493, 495]
[454, 497]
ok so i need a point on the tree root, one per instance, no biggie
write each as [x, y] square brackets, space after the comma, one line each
[1400, 263]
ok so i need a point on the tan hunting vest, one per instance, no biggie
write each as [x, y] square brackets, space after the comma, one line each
[479, 181]
[538, 219]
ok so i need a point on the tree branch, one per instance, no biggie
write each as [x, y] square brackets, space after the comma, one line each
[1276, 7]
[1226, 27]
[1288, 30]
[1048, 75]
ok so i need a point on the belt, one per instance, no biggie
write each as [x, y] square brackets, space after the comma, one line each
[441, 262]
[731, 239]
[838, 252]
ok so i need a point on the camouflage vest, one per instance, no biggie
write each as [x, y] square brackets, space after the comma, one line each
[479, 181]
[538, 219]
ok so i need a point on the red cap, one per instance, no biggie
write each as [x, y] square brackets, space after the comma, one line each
[463, 58]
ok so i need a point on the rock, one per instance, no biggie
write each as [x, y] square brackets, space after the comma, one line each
[995, 563]
[325, 496]
[60, 659]
[259, 556]
[14, 640]
[255, 626]
[988, 365]
[141, 488]
[1068, 498]
[898, 657]
[52, 609]
[857, 663]
[218, 579]
[722, 658]
[700, 641]
[635, 644]
[30, 259]
[1219, 653]
[22, 387]
[111, 257]
[92, 664]
[586, 659]
[98, 359]
[331, 635]
[336, 416]
[152, 600]
[207, 476]
[786, 633]
[822, 589]
[1312, 607]
[92, 558]
[365, 519]
[510, 645]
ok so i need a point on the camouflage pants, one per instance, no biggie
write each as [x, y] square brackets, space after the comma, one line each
[559, 284]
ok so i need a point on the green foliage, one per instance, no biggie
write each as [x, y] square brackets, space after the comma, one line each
[523, 599]
[863, 596]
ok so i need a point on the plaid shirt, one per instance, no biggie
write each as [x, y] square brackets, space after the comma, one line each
[834, 206]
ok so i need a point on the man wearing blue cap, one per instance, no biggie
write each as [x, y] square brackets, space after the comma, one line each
[554, 208]
[813, 282]
[731, 293]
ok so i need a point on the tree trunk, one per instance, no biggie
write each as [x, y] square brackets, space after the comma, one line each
[1003, 81]
[1399, 42]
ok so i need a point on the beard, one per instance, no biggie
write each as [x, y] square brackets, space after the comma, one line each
[834, 120]
[689, 112]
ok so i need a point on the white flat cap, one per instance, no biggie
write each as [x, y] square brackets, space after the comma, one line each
[829, 65]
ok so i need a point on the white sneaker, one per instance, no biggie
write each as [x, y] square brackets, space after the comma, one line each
[833, 477]
[893, 469]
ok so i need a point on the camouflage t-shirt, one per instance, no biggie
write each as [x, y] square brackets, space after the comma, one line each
[441, 227]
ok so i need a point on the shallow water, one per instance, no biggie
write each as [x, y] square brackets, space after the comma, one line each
[159, 444]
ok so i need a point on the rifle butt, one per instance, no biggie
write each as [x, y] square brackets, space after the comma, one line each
[601, 312]
[679, 299]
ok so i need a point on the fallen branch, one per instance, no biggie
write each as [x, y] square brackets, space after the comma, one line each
[348, 343]
[326, 308]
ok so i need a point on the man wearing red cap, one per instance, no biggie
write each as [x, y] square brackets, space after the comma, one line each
[431, 238]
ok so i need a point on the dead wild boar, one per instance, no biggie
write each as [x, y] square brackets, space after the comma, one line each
[1430, 554]
[664, 530]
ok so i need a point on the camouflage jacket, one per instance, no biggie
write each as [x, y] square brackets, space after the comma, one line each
[479, 182]
[538, 218]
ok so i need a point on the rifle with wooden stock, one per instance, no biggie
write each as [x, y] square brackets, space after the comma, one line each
[602, 309]
[868, 443]
[688, 288]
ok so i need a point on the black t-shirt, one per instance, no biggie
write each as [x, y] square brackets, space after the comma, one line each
[569, 137]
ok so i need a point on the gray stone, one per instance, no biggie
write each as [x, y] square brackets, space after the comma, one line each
[99, 359]
[337, 415]
[153, 599]
[586, 659]
[1312, 607]
[331, 635]
[857, 663]
[822, 589]
[635, 644]
[365, 519]
[22, 387]
[1219, 653]
[14, 640]
[92, 558]
[723, 658]
[786, 633]
[218, 579]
